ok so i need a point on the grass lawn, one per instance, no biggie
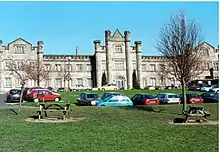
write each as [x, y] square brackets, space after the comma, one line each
[75, 95]
[108, 129]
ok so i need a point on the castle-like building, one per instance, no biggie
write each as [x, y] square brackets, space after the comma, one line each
[118, 58]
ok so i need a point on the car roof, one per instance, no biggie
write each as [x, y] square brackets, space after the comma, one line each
[168, 93]
[119, 97]
[113, 92]
[88, 93]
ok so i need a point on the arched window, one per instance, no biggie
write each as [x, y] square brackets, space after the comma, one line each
[118, 48]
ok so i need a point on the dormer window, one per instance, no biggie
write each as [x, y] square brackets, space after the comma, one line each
[19, 49]
[118, 48]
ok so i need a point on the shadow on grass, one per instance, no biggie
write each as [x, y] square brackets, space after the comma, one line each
[150, 109]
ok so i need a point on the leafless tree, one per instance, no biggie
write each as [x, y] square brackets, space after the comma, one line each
[162, 73]
[18, 70]
[179, 43]
[37, 71]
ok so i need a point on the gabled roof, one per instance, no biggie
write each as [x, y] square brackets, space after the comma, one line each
[206, 44]
[117, 34]
[21, 40]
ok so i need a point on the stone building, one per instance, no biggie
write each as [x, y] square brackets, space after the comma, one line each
[118, 58]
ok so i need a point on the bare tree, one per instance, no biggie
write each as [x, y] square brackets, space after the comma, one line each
[37, 71]
[18, 70]
[162, 73]
[179, 43]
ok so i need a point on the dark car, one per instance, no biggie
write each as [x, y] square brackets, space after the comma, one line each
[144, 99]
[210, 97]
[192, 98]
[14, 95]
[61, 90]
[88, 99]
[199, 86]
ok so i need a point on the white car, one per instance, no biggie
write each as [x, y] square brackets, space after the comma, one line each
[206, 88]
[214, 89]
[80, 87]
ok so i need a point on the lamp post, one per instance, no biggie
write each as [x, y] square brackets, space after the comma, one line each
[68, 80]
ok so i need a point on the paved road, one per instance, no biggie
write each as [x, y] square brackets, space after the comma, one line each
[3, 105]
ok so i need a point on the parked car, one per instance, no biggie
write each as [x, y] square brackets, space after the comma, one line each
[144, 99]
[149, 88]
[199, 86]
[192, 98]
[115, 101]
[107, 94]
[214, 89]
[27, 90]
[108, 87]
[215, 98]
[80, 88]
[88, 99]
[13, 95]
[60, 90]
[165, 98]
[208, 97]
[43, 95]
[51, 89]
[206, 88]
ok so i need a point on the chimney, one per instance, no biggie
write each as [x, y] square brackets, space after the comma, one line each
[77, 50]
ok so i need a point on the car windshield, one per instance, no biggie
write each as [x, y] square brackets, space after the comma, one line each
[105, 95]
[92, 96]
[173, 96]
[193, 95]
[107, 98]
[147, 96]
[15, 91]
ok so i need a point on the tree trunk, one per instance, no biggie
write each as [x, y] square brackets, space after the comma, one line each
[184, 96]
[21, 98]
[38, 80]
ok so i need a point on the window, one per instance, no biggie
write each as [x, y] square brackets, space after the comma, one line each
[134, 65]
[79, 81]
[215, 66]
[103, 66]
[18, 82]
[205, 52]
[144, 82]
[58, 83]
[119, 65]
[118, 49]
[89, 82]
[19, 49]
[143, 67]
[57, 67]
[88, 67]
[152, 67]
[47, 82]
[68, 67]
[79, 67]
[47, 67]
[8, 82]
[153, 81]
[20, 65]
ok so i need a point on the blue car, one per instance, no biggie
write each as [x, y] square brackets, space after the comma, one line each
[115, 101]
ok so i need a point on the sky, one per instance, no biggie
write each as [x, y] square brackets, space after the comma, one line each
[64, 25]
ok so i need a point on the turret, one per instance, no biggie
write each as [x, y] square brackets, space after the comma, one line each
[128, 60]
[138, 61]
[97, 44]
[108, 56]
[40, 50]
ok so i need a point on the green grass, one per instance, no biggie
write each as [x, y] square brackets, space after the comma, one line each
[130, 93]
[108, 129]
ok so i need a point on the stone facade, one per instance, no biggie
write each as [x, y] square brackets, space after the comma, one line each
[117, 58]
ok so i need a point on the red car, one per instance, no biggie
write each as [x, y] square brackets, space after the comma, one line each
[192, 98]
[144, 99]
[43, 95]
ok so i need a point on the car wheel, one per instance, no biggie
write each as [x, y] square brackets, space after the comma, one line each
[103, 89]
[57, 99]
[115, 88]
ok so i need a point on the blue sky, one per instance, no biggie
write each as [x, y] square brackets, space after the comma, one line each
[64, 25]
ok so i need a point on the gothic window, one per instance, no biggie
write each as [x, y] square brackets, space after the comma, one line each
[152, 67]
[47, 82]
[153, 81]
[58, 83]
[89, 82]
[57, 67]
[79, 67]
[19, 49]
[134, 65]
[47, 67]
[216, 66]
[119, 65]
[144, 82]
[8, 82]
[79, 81]
[68, 67]
[143, 67]
[118, 48]
[88, 67]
